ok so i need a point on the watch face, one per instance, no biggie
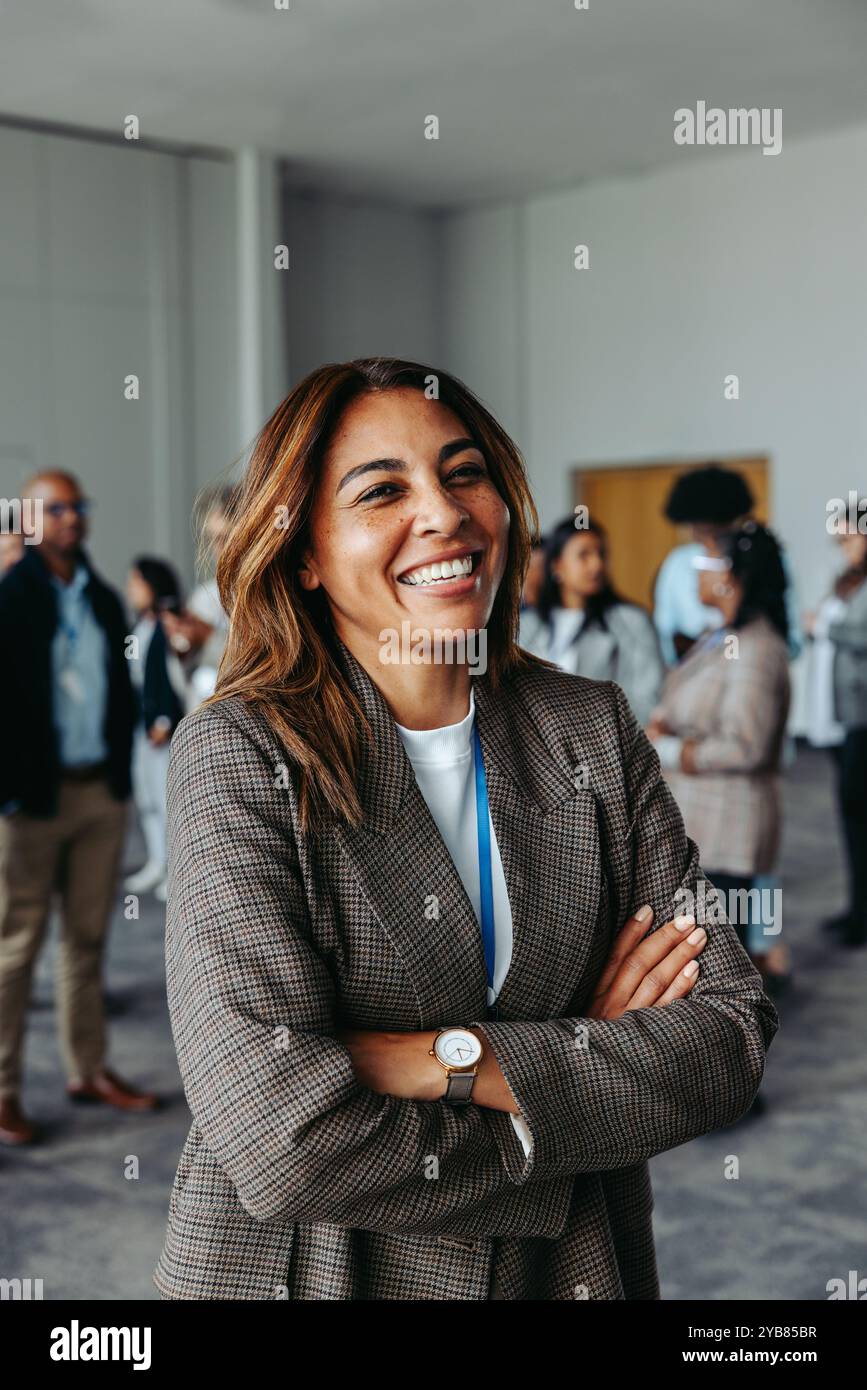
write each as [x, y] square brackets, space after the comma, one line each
[458, 1048]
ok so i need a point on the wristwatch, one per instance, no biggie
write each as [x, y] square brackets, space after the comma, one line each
[458, 1052]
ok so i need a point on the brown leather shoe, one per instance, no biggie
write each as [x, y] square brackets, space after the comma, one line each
[104, 1086]
[15, 1128]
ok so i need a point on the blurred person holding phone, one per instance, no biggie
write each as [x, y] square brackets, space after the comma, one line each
[198, 632]
[711, 501]
[162, 692]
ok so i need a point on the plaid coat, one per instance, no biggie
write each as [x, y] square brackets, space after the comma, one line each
[297, 1182]
[736, 710]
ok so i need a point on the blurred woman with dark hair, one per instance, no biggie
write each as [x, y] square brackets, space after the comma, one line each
[720, 724]
[581, 622]
[710, 501]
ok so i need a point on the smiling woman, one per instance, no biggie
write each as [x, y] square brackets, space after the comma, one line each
[431, 1011]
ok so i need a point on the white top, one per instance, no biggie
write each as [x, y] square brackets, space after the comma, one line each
[823, 731]
[566, 623]
[205, 603]
[442, 760]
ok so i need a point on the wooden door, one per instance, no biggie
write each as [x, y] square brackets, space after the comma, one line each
[628, 500]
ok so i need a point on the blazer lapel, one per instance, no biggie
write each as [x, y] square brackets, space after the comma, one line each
[547, 831]
[547, 834]
[407, 876]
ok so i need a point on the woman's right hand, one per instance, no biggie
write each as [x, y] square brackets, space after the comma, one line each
[648, 971]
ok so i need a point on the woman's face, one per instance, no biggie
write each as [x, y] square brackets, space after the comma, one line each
[712, 584]
[580, 566]
[216, 531]
[404, 489]
[709, 584]
[719, 589]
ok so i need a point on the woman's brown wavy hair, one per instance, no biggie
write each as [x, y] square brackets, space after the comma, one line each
[281, 652]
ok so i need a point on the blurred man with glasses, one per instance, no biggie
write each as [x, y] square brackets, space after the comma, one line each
[66, 719]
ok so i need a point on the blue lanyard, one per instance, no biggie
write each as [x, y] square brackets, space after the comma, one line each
[486, 888]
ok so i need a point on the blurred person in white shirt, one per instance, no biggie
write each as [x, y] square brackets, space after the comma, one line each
[198, 633]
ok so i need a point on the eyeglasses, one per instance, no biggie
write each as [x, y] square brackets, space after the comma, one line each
[81, 508]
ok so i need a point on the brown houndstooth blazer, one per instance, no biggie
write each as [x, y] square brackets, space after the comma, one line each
[295, 1181]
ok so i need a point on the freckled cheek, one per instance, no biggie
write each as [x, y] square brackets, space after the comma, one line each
[358, 556]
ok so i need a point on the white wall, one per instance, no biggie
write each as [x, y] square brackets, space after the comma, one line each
[484, 299]
[743, 263]
[364, 280]
[117, 260]
[213, 319]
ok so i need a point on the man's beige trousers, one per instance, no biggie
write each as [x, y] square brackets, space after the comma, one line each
[77, 855]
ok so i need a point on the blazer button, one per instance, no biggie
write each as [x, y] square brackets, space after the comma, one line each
[458, 1243]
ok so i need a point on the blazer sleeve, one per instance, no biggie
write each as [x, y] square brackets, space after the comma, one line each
[640, 670]
[749, 714]
[252, 1005]
[604, 1094]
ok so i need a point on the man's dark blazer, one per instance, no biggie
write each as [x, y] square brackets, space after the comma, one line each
[30, 767]
[297, 1181]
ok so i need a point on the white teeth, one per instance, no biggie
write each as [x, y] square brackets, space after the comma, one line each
[441, 569]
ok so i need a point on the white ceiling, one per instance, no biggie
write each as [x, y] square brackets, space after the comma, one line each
[531, 94]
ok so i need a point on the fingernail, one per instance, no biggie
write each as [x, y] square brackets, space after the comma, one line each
[643, 913]
[696, 936]
[685, 920]
[689, 970]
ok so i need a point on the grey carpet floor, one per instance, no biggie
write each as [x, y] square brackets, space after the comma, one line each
[85, 1210]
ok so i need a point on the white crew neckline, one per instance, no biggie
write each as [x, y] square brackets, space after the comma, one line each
[451, 743]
